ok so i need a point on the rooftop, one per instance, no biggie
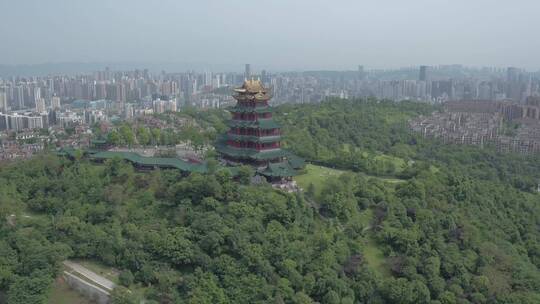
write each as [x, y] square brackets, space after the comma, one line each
[136, 158]
[264, 124]
[282, 169]
[251, 86]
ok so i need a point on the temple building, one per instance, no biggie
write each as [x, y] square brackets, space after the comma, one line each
[254, 138]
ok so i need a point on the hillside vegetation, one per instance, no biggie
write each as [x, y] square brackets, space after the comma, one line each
[460, 226]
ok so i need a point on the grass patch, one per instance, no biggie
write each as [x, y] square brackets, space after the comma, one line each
[61, 293]
[391, 180]
[396, 117]
[399, 163]
[375, 257]
[316, 175]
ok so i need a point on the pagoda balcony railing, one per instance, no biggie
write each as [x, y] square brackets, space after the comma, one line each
[254, 132]
[254, 138]
[252, 116]
[249, 104]
[253, 146]
[266, 124]
[259, 108]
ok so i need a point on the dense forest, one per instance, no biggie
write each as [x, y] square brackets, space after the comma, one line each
[460, 225]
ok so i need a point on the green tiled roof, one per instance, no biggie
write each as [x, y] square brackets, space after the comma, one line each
[282, 169]
[295, 161]
[261, 139]
[153, 161]
[250, 153]
[264, 124]
[69, 151]
[269, 154]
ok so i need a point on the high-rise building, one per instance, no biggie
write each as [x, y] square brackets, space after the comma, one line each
[101, 90]
[55, 102]
[4, 122]
[216, 81]
[484, 91]
[121, 92]
[40, 105]
[162, 106]
[159, 106]
[129, 111]
[442, 89]
[37, 93]
[19, 97]
[3, 101]
[361, 72]
[44, 120]
[514, 87]
[264, 77]
[512, 74]
[34, 122]
[207, 78]
[247, 72]
[172, 106]
[16, 122]
[424, 73]
[50, 85]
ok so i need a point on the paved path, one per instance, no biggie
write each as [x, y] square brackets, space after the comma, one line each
[90, 275]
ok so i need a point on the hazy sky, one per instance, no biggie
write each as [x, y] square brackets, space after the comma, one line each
[277, 34]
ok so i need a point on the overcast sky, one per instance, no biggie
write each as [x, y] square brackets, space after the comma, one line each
[276, 34]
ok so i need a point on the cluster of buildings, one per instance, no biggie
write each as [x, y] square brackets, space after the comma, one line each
[12, 150]
[162, 106]
[429, 84]
[476, 123]
[510, 126]
[19, 121]
[77, 102]
[190, 88]
[212, 90]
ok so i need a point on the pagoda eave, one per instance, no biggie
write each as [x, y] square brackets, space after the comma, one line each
[251, 153]
[254, 138]
[251, 138]
[259, 110]
[264, 124]
[252, 98]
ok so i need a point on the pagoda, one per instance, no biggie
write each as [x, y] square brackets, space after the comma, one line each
[254, 138]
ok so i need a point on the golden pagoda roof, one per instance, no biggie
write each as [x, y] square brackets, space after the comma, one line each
[251, 86]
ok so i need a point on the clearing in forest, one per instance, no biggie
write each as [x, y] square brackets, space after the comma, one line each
[316, 175]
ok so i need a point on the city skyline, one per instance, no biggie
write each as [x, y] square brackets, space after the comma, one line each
[324, 36]
[79, 68]
[210, 89]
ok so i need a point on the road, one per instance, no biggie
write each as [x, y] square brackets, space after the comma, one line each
[90, 275]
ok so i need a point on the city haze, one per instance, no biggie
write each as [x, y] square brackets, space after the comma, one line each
[276, 35]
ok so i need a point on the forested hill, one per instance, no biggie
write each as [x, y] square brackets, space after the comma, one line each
[351, 134]
[455, 224]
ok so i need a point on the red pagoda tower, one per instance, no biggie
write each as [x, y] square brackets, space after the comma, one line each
[254, 138]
